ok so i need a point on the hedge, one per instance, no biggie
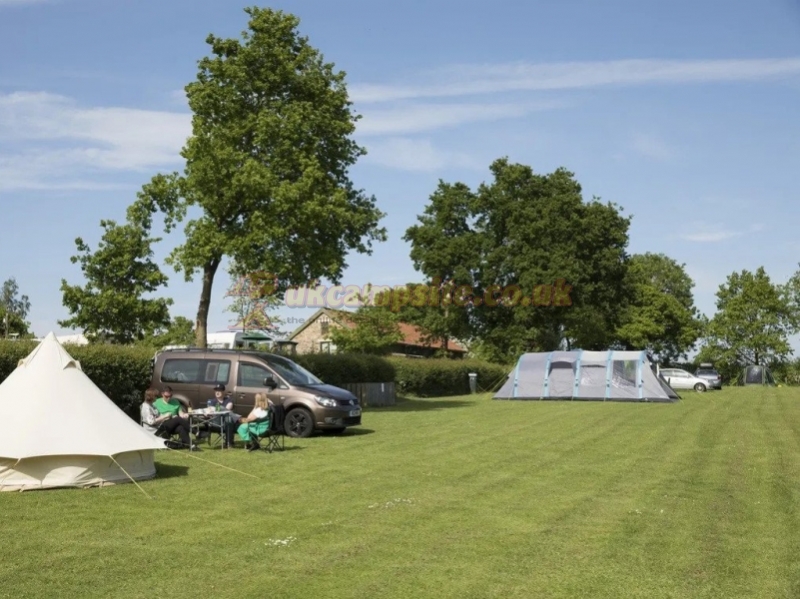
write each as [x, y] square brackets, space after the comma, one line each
[441, 377]
[123, 372]
[341, 369]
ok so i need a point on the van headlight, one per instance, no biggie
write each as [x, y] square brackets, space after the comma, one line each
[325, 401]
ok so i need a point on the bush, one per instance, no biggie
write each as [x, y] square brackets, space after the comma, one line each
[121, 372]
[442, 377]
[787, 373]
[341, 369]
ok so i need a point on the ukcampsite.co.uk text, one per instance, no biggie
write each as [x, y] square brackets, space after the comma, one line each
[351, 296]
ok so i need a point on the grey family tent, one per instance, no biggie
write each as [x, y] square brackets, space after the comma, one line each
[757, 375]
[586, 375]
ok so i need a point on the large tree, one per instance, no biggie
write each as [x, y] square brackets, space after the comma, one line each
[112, 306]
[446, 249]
[266, 165]
[14, 309]
[753, 322]
[535, 234]
[661, 315]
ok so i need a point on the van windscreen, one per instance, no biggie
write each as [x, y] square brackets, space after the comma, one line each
[292, 373]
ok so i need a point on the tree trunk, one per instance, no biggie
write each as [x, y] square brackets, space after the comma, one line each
[201, 325]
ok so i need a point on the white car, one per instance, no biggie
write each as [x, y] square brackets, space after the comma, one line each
[677, 378]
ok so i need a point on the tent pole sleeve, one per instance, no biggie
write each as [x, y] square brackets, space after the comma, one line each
[576, 388]
[609, 367]
[546, 391]
[640, 374]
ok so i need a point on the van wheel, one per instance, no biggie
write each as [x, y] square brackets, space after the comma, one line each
[699, 387]
[299, 423]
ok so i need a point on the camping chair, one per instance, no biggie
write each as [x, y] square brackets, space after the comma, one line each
[274, 435]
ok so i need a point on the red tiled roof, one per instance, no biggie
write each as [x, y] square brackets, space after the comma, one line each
[412, 335]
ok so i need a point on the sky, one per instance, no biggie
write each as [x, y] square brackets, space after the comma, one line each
[683, 113]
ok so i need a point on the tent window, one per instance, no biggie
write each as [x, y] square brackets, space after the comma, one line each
[181, 371]
[623, 373]
[593, 375]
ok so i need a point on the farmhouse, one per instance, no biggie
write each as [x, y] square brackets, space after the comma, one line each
[313, 336]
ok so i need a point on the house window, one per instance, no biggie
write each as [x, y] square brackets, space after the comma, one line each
[324, 326]
[325, 347]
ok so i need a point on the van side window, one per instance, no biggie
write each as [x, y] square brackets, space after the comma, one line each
[217, 372]
[181, 371]
[252, 375]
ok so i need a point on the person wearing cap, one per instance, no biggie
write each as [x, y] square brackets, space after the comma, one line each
[221, 402]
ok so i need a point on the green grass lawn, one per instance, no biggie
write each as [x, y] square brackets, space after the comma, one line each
[461, 497]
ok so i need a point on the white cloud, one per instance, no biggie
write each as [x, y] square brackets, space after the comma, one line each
[416, 155]
[705, 234]
[464, 80]
[413, 118]
[58, 144]
[710, 236]
[652, 146]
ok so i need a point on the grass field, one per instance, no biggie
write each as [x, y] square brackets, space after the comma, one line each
[463, 497]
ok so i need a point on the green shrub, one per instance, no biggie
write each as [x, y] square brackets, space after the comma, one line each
[11, 352]
[442, 377]
[787, 373]
[341, 369]
[121, 372]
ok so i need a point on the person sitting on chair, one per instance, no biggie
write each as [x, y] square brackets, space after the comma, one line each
[256, 422]
[164, 425]
[221, 402]
[166, 404]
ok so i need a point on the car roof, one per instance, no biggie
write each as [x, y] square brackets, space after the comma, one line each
[222, 351]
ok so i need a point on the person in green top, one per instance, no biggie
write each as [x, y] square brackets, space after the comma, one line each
[166, 404]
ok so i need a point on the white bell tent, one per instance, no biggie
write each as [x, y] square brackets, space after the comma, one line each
[60, 430]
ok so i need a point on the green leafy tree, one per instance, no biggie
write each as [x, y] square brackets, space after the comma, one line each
[447, 250]
[371, 330]
[266, 165]
[546, 268]
[753, 322]
[14, 309]
[111, 305]
[661, 317]
[180, 331]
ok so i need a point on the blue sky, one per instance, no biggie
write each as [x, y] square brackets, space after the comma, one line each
[685, 113]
